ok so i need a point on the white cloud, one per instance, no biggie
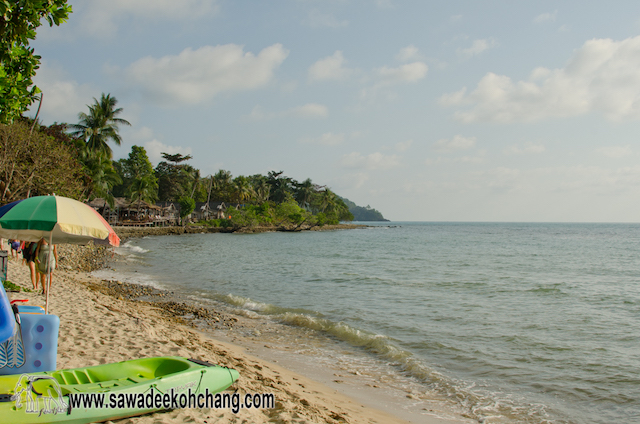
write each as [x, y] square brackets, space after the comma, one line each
[155, 149]
[404, 145]
[195, 76]
[500, 179]
[258, 114]
[408, 53]
[310, 110]
[350, 181]
[326, 139]
[546, 17]
[63, 98]
[373, 162]
[99, 17]
[600, 77]
[386, 77]
[456, 98]
[456, 143]
[320, 20]
[330, 68]
[478, 158]
[477, 47]
[408, 73]
[142, 133]
[615, 152]
[528, 148]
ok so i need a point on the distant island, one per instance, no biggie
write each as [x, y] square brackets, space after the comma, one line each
[363, 213]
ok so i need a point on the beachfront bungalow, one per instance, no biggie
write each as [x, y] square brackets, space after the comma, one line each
[110, 214]
[140, 213]
[208, 210]
[135, 213]
[169, 213]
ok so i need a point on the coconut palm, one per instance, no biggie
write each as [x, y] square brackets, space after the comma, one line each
[142, 189]
[222, 185]
[262, 190]
[100, 125]
[241, 188]
[328, 201]
[101, 174]
[304, 193]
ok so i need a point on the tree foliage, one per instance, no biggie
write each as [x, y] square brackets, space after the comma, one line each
[35, 163]
[100, 125]
[176, 179]
[187, 205]
[19, 20]
[363, 213]
[138, 177]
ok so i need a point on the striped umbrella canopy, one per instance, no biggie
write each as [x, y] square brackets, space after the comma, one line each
[57, 219]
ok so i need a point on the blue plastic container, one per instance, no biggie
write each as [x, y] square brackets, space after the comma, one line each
[30, 309]
[7, 320]
[40, 344]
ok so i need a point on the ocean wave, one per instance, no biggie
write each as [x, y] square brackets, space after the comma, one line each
[132, 247]
[480, 403]
[132, 278]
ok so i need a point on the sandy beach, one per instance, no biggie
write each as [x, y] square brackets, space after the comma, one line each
[99, 324]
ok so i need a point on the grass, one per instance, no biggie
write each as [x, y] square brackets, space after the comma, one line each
[9, 286]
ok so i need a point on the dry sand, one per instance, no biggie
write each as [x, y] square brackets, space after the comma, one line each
[96, 328]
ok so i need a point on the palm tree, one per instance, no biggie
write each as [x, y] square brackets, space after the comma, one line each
[304, 192]
[242, 189]
[195, 176]
[100, 125]
[221, 184]
[262, 190]
[102, 176]
[142, 189]
[328, 201]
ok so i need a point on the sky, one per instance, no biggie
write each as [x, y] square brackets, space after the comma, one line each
[455, 110]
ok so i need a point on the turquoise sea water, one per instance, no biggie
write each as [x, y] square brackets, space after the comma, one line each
[535, 323]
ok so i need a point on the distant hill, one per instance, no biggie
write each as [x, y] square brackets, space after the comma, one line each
[360, 213]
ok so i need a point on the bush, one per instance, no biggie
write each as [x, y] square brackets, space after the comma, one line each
[187, 205]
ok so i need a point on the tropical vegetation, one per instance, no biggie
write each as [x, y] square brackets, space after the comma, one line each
[363, 213]
[76, 160]
[19, 20]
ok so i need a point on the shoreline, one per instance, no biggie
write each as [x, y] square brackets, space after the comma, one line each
[96, 328]
[157, 322]
[132, 232]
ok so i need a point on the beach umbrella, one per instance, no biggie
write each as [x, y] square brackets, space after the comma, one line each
[61, 219]
[58, 220]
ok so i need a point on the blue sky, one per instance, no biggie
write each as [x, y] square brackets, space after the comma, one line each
[427, 111]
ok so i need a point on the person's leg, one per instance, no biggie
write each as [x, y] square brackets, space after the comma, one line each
[43, 282]
[32, 270]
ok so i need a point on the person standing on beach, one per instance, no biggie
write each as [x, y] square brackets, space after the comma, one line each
[29, 255]
[45, 262]
[15, 248]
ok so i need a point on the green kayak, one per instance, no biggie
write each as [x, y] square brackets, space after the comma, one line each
[112, 391]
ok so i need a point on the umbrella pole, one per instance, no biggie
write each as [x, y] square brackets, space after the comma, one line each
[46, 304]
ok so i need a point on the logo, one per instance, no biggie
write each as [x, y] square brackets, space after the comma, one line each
[39, 394]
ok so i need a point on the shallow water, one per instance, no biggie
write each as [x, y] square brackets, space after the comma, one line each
[527, 323]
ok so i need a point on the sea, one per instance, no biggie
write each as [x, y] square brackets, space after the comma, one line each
[508, 322]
